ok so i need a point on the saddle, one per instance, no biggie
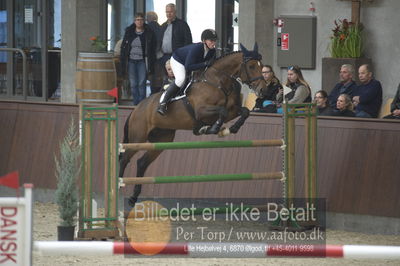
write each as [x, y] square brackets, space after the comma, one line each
[192, 78]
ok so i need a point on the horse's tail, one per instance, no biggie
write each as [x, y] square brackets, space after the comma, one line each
[126, 130]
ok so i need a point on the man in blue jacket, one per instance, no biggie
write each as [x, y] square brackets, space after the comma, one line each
[345, 86]
[186, 59]
[368, 95]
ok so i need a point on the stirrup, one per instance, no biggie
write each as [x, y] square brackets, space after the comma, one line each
[162, 108]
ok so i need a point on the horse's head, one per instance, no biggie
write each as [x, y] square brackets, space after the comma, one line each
[251, 69]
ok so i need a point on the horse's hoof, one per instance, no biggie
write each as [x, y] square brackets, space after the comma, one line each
[203, 130]
[132, 202]
[224, 132]
[233, 130]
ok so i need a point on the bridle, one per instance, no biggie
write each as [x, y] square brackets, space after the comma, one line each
[249, 81]
[236, 77]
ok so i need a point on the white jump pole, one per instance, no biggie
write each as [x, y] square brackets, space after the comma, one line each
[73, 248]
[371, 252]
[234, 250]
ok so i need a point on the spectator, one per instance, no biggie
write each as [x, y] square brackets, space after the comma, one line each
[395, 106]
[368, 95]
[176, 33]
[186, 59]
[267, 98]
[137, 48]
[117, 48]
[170, 74]
[345, 86]
[156, 78]
[300, 90]
[344, 106]
[321, 99]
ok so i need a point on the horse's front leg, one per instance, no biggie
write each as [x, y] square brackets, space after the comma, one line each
[215, 128]
[244, 114]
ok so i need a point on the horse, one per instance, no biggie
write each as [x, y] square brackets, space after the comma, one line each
[212, 99]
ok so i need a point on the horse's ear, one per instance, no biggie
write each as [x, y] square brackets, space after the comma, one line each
[243, 49]
[255, 49]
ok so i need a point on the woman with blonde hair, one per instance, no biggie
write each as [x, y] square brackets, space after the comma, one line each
[344, 106]
[300, 91]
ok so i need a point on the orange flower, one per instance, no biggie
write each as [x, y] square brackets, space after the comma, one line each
[342, 37]
[93, 38]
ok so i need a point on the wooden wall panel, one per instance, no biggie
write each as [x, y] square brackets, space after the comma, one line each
[358, 162]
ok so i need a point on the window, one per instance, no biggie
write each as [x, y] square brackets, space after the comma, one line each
[200, 16]
[120, 14]
[158, 6]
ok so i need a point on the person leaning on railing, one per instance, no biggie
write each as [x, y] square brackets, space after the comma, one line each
[321, 99]
[344, 106]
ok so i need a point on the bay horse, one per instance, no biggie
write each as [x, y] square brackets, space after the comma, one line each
[212, 100]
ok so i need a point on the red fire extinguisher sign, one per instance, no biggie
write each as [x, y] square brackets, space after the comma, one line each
[285, 41]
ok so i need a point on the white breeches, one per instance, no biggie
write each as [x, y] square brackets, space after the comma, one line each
[179, 72]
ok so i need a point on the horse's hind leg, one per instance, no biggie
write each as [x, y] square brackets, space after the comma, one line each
[156, 135]
[124, 159]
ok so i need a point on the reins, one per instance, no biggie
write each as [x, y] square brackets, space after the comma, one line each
[227, 89]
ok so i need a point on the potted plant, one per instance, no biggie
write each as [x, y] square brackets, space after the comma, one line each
[346, 41]
[67, 171]
[346, 47]
[98, 45]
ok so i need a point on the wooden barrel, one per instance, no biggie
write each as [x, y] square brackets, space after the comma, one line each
[95, 76]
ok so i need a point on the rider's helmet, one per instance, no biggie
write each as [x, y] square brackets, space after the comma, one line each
[209, 34]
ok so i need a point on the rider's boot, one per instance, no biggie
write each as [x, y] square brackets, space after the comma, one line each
[165, 97]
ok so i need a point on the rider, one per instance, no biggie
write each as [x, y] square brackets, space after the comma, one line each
[189, 58]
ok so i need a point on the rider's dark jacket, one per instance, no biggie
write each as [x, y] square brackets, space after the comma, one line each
[192, 56]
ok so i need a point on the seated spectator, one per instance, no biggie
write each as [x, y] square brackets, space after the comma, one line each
[321, 99]
[345, 86]
[267, 98]
[395, 106]
[368, 95]
[300, 90]
[344, 106]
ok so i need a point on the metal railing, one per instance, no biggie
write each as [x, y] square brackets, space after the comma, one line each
[24, 74]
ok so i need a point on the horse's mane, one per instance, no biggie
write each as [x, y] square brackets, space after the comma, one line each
[225, 55]
[246, 54]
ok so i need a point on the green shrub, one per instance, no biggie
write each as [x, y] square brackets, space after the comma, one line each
[67, 171]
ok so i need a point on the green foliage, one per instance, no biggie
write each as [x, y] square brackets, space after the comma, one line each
[67, 171]
[98, 45]
[346, 41]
